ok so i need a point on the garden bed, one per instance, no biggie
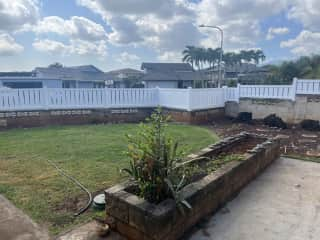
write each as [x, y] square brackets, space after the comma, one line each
[136, 218]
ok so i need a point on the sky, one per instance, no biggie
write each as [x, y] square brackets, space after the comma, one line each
[113, 34]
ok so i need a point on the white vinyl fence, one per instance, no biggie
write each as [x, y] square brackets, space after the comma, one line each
[267, 91]
[62, 98]
[306, 86]
[192, 99]
[184, 99]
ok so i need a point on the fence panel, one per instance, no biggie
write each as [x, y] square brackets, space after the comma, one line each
[206, 98]
[308, 86]
[174, 98]
[231, 94]
[21, 99]
[266, 91]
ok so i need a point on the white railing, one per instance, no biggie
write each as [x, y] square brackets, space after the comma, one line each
[267, 91]
[306, 86]
[184, 99]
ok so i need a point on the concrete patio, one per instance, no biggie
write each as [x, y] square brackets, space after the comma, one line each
[282, 203]
[15, 225]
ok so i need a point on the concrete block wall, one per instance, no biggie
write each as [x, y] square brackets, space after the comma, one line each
[18, 119]
[292, 112]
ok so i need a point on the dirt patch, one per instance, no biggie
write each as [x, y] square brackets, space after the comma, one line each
[72, 205]
[243, 146]
[294, 140]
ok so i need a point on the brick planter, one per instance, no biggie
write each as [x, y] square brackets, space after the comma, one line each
[135, 218]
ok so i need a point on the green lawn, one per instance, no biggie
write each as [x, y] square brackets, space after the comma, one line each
[93, 154]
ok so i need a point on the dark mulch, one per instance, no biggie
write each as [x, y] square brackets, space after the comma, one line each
[295, 141]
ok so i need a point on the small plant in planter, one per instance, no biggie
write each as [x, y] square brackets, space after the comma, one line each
[153, 159]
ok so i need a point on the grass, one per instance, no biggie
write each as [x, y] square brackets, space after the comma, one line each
[93, 154]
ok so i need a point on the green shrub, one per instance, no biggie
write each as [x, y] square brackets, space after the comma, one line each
[153, 159]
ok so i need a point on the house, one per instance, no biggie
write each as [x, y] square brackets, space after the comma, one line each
[124, 78]
[55, 76]
[236, 73]
[86, 76]
[170, 75]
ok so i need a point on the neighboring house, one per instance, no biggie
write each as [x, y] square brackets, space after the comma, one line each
[170, 75]
[236, 73]
[20, 80]
[124, 78]
[55, 76]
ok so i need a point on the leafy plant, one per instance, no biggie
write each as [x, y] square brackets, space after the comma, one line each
[153, 160]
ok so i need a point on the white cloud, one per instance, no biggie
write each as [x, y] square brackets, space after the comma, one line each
[170, 57]
[76, 28]
[50, 46]
[272, 32]
[305, 43]
[126, 58]
[84, 36]
[307, 12]
[8, 45]
[146, 22]
[124, 31]
[240, 20]
[159, 8]
[78, 47]
[16, 13]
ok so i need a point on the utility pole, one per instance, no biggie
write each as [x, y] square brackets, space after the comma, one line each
[221, 50]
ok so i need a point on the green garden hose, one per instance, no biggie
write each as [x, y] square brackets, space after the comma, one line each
[75, 181]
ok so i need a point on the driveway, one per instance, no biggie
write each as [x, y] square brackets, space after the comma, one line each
[281, 204]
[15, 225]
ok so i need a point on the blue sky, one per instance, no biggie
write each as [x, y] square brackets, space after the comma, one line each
[115, 34]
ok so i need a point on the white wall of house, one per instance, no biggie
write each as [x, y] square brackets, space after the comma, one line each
[52, 83]
[29, 82]
[83, 84]
[32, 82]
[161, 84]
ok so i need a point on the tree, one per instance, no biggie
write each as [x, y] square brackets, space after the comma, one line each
[55, 65]
[259, 56]
[189, 55]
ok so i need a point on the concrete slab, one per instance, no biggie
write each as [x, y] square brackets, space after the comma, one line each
[282, 203]
[15, 225]
[88, 231]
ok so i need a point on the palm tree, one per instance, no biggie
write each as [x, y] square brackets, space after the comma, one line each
[189, 55]
[258, 56]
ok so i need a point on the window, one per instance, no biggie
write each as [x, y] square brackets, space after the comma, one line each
[23, 84]
[98, 85]
[68, 84]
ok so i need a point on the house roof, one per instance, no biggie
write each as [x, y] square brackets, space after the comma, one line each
[170, 72]
[16, 74]
[82, 73]
[125, 71]
[174, 76]
[167, 67]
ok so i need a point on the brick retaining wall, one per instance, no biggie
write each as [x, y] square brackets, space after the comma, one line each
[28, 119]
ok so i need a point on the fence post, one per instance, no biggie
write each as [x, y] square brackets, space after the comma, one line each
[189, 99]
[294, 89]
[157, 98]
[237, 96]
[46, 96]
[225, 94]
